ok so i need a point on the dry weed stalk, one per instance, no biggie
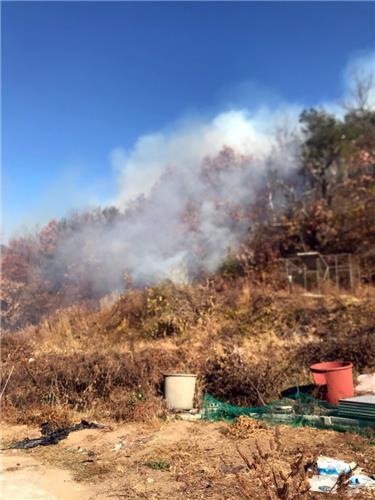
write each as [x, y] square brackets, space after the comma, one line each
[275, 482]
[342, 484]
[6, 382]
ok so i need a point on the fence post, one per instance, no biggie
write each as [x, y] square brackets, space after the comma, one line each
[288, 276]
[337, 273]
[350, 271]
[304, 278]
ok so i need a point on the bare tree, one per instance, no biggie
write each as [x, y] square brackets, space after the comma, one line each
[362, 93]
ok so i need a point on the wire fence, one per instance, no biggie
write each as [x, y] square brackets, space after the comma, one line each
[312, 271]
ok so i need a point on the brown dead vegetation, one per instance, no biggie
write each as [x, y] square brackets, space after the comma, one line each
[246, 346]
[279, 478]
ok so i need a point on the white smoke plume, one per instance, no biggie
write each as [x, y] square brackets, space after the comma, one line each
[186, 148]
[185, 194]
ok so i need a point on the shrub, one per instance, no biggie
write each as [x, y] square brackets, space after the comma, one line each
[232, 379]
[359, 348]
[118, 385]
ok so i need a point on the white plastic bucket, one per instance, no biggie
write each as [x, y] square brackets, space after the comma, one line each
[179, 390]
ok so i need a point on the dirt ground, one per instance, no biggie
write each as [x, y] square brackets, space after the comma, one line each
[164, 460]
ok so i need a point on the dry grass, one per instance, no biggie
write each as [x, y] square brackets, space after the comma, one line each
[246, 345]
[245, 427]
[81, 468]
[279, 479]
[281, 460]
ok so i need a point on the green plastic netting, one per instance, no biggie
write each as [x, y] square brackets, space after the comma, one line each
[287, 408]
[297, 410]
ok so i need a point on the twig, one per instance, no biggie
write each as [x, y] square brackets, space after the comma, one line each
[258, 393]
[343, 479]
[6, 383]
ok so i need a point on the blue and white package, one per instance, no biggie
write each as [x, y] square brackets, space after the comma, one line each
[332, 466]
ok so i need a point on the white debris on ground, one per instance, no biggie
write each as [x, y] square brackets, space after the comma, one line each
[328, 473]
[118, 446]
[190, 416]
[366, 383]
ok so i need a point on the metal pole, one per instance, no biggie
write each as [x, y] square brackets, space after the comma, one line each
[288, 276]
[350, 272]
[318, 274]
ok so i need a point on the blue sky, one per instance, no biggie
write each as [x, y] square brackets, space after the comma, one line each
[82, 78]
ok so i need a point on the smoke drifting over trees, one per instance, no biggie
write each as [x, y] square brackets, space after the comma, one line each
[185, 200]
[190, 198]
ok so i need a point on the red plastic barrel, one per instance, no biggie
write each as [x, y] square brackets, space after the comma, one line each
[338, 376]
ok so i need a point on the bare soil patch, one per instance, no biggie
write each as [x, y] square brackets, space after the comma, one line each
[164, 460]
